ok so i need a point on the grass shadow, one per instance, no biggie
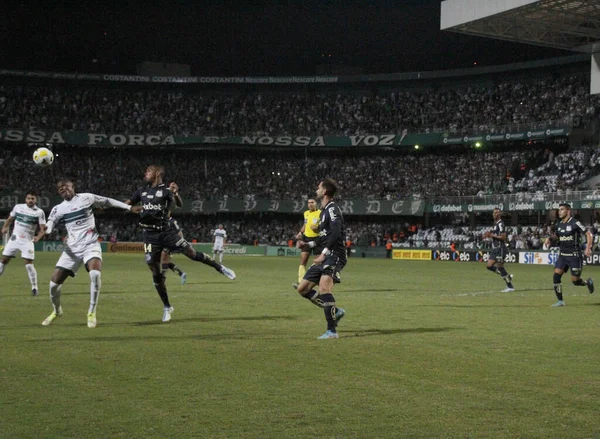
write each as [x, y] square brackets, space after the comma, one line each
[380, 332]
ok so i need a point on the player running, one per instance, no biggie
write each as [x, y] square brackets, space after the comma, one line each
[27, 217]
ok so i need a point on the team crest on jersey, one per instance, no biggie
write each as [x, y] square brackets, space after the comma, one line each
[159, 193]
[144, 194]
[569, 228]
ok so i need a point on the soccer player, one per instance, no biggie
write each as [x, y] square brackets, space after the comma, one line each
[570, 234]
[165, 258]
[157, 201]
[499, 249]
[326, 267]
[309, 232]
[219, 239]
[82, 245]
[27, 217]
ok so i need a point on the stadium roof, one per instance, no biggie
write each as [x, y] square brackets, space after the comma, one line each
[564, 24]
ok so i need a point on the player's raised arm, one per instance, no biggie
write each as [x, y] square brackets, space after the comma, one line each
[174, 188]
[105, 202]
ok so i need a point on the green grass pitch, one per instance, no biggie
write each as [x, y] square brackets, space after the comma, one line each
[427, 350]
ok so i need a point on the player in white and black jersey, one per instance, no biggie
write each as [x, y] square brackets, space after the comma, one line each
[27, 218]
[219, 240]
[326, 268]
[81, 247]
[499, 250]
[157, 203]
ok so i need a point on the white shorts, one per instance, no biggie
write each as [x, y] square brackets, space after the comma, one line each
[72, 258]
[218, 247]
[15, 244]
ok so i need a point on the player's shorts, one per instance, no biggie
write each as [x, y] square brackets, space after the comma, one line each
[331, 266]
[72, 257]
[498, 254]
[155, 242]
[575, 263]
[17, 243]
[174, 225]
[218, 247]
[313, 251]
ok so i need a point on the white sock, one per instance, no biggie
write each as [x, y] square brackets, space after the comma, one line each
[55, 295]
[95, 284]
[32, 273]
[215, 256]
[221, 257]
[1, 268]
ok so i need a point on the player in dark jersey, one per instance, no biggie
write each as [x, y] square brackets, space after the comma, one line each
[499, 249]
[165, 258]
[570, 233]
[157, 202]
[327, 266]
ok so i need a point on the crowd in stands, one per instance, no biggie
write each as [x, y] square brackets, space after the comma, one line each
[478, 107]
[222, 173]
[277, 174]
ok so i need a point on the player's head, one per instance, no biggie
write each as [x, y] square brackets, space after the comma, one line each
[312, 204]
[154, 173]
[327, 188]
[220, 226]
[564, 210]
[65, 188]
[31, 198]
[497, 213]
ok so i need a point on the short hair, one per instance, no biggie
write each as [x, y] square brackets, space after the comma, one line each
[330, 186]
[565, 205]
[160, 169]
[31, 192]
[64, 180]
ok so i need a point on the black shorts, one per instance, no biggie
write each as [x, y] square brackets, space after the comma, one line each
[498, 254]
[575, 263]
[331, 266]
[155, 242]
[313, 251]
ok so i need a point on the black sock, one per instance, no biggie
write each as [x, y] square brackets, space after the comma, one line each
[161, 288]
[313, 296]
[580, 283]
[558, 291]
[330, 310]
[175, 268]
[502, 272]
[205, 259]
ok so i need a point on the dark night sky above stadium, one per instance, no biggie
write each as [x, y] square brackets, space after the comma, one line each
[245, 38]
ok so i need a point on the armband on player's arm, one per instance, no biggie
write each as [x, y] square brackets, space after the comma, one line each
[325, 251]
